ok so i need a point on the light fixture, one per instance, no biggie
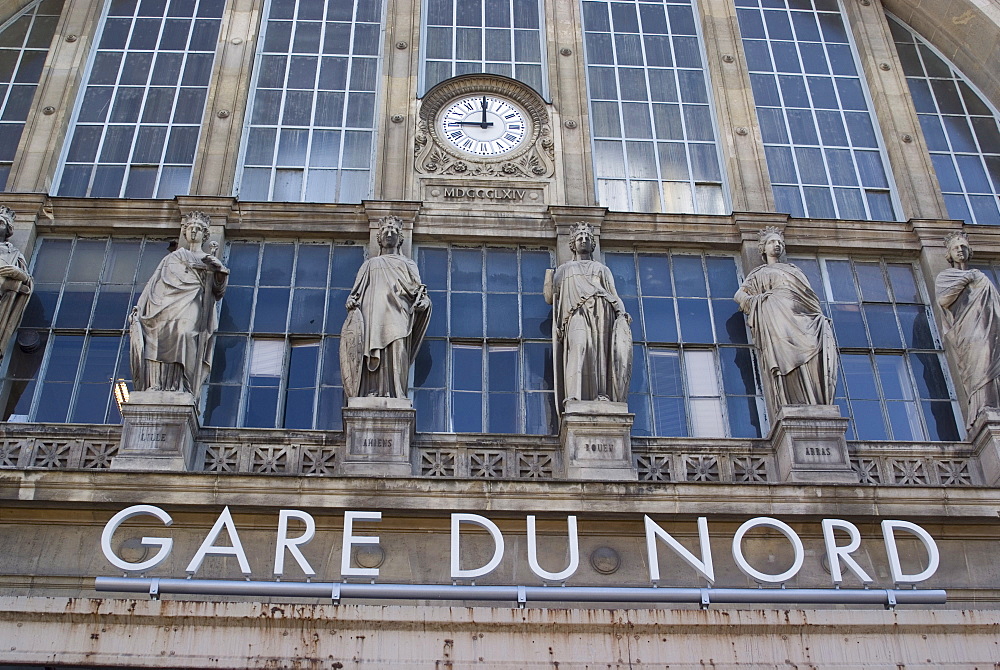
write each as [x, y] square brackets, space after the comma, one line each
[121, 393]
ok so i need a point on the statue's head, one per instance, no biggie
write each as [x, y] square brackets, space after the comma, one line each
[195, 226]
[7, 218]
[390, 230]
[956, 245]
[767, 235]
[582, 233]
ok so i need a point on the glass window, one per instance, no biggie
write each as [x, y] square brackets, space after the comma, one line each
[277, 351]
[502, 37]
[486, 362]
[960, 127]
[311, 115]
[694, 372]
[894, 379]
[24, 44]
[821, 140]
[138, 117]
[72, 346]
[651, 119]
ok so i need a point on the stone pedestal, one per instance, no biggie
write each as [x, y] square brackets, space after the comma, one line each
[810, 447]
[596, 440]
[158, 431]
[985, 437]
[378, 434]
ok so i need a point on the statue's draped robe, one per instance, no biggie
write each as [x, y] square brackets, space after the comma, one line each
[14, 294]
[795, 340]
[381, 337]
[173, 334]
[971, 305]
[592, 339]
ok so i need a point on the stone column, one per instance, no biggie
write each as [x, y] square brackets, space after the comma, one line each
[597, 441]
[158, 432]
[378, 432]
[909, 162]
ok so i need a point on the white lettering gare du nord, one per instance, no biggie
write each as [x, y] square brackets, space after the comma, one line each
[838, 555]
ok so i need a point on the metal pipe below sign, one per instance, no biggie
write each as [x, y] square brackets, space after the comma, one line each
[337, 591]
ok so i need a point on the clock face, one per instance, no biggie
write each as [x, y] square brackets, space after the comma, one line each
[483, 125]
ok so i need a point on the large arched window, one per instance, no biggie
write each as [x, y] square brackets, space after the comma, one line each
[959, 126]
[651, 122]
[823, 149]
[24, 44]
[138, 117]
[311, 118]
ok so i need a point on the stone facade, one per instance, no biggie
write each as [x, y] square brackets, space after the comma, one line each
[62, 480]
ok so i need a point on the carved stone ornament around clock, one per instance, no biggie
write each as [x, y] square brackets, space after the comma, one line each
[480, 125]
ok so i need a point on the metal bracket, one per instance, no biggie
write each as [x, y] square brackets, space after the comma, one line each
[705, 600]
[522, 597]
[335, 595]
[890, 596]
[154, 589]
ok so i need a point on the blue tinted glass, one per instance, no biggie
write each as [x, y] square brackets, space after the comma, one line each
[730, 324]
[501, 315]
[431, 364]
[501, 270]
[849, 326]
[929, 376]
[262, 403]
[466, 315]
[467, 368]
[307, 311]
[940, 418]
[916, 327]
[227, 364]
[661, 324]
[642, 425]
[271, 310]
[696, 324]
[347, 261]
[466, 270]
[882, 326]
[467, 412]
[540, 414]
[536, 315]
[502, 412]
[744, 417]
[737, 371]
[312, 265]
[654, 273]
[689, 277]
[640, 381]
[622, 268]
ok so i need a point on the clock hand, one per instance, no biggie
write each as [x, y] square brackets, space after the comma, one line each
[484, 125]
[470, 123]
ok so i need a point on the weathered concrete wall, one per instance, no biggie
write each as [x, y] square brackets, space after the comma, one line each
[171, 634]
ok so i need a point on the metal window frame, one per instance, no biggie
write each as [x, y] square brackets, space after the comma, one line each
[81, 93]
[343, 127]
[660, 181]
[422, 85]
[876, 126]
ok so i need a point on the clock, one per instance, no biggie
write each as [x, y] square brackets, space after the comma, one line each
[486, 125]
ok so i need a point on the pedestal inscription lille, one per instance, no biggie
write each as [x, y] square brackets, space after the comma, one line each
[810, 445]
[378, 434]
[596, 440]
[158, 431]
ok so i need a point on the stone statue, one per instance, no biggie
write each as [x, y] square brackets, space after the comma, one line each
[971, 307]
[793, 336]
[592, 339]
[15, 282]
[387, 315]
[172, 328]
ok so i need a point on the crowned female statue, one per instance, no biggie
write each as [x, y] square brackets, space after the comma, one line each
[15, 282]
[793, 336]
[592, 339]
[971, 307]
[388, 311]
[173, 325]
